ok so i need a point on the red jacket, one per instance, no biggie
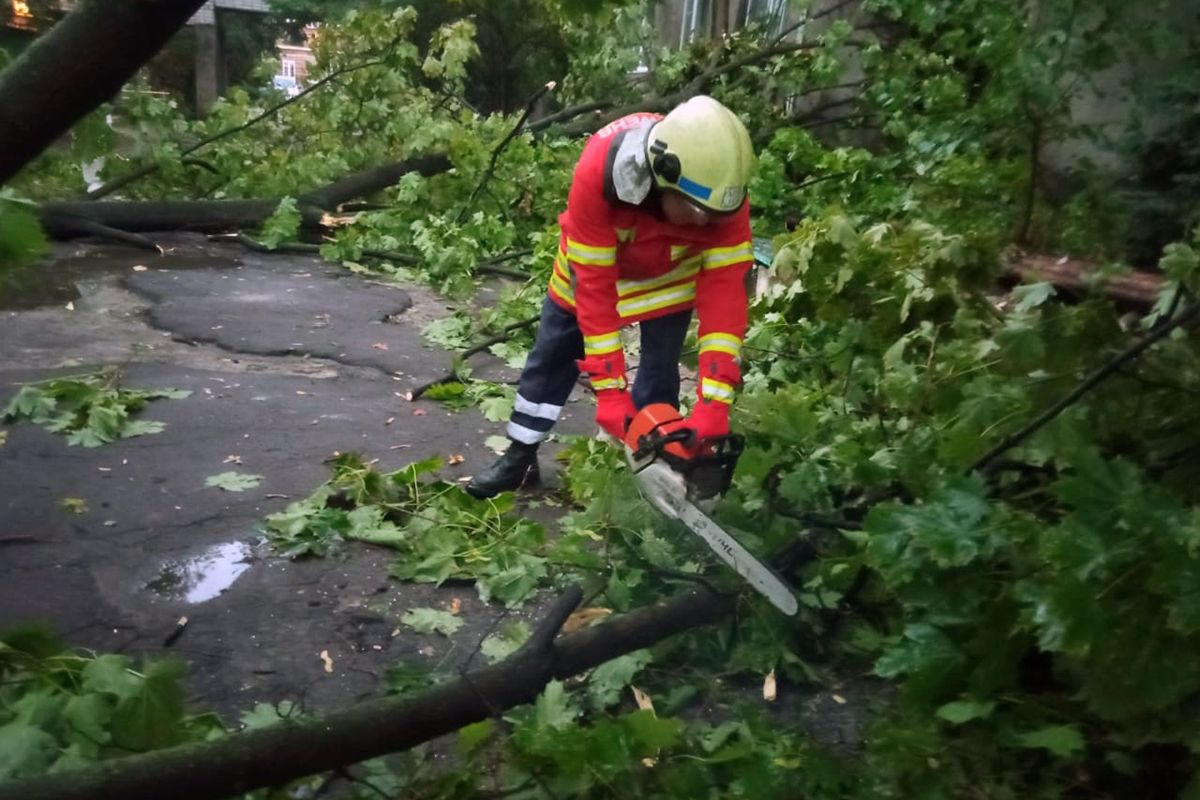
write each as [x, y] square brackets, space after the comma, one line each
[620, 263]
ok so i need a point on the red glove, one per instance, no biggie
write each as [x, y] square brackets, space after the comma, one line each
[614, 410]
[719, 376]
[605, 372]
[709, 419]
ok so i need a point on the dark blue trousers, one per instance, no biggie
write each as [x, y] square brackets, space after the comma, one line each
[550, 372]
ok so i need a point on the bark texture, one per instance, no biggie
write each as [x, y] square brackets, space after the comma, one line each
[306, 746]
[83, 61]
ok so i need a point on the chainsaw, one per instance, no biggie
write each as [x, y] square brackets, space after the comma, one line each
[678, 475]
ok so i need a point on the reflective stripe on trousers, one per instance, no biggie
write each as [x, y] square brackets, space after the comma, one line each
[550, 372]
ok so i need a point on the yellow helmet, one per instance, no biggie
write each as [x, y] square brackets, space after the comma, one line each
[702, 150]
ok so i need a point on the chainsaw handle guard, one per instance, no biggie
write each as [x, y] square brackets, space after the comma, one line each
[654, 444]
[658, 432]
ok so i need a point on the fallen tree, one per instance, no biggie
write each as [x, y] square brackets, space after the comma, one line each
[65, 220]
[119, 219]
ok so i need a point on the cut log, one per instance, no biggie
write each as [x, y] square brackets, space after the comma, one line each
[1136, 287]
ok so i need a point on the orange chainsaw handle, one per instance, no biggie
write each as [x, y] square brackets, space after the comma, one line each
[659, 427]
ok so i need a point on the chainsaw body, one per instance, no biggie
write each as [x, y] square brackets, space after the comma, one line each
[659, 433]
[678, 475]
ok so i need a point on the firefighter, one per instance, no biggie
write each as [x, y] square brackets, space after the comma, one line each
[657, 224]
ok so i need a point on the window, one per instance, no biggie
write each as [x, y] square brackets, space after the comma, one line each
[769, 13]
[288, 68]
[694, 22]
[22, 16]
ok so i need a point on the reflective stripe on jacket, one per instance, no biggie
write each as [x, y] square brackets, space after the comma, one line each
[621, 262]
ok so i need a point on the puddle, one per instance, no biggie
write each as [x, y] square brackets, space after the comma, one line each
[55, 282]
[202, 577]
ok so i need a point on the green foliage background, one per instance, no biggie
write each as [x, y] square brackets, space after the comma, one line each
[1029, 629]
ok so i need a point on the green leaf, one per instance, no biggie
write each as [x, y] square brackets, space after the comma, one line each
[1179, 261]
[650, 732]
[25, 751]
[89, 716]
[405, 678]
[111, 674]
[30, 402]
[497, 444]
[504, 642]
[21, 236]
[282, 226]
[513, 585]
[452, 333]
[608, 681]
[151, 718]
[1061, 740]
[367, 524]
[472, 736]
[91, 411]
[553, 708]
[452, 395]
[264, 714]
[141, 427]
[961, 711]
[432, 620]
[233, 481]
[1032, 295]
[496, 409]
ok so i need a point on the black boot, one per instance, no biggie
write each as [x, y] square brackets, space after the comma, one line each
[517, 467]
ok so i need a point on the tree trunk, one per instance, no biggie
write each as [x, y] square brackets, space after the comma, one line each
[66, 220]
[83, 61]
[62, 220]
[292, 749]
[720, 28]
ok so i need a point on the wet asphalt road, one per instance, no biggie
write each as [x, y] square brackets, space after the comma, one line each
[288, 359]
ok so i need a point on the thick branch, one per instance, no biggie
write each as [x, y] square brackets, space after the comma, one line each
[62, 220]
[1137, 287]
[294, 748]
[369, 181]
[82, 62]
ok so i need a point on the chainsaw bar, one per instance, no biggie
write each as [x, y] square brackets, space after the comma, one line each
[667, 491]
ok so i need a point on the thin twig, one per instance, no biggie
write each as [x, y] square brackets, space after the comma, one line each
[90, 227]
[695, 86]
[120, 183]
[491, 267]
[812, 123]
[505, 334]
[1090, 382]
[813, 18]
[811, 181]
[567, 113]
[498, 149]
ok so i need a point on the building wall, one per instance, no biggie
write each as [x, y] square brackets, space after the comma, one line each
[1103, 102]
[206, 15]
